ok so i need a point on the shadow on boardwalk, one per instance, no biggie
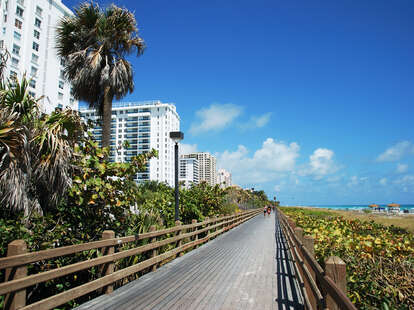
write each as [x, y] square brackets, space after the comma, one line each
[288, 290]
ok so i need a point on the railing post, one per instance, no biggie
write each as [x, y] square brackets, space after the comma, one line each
[309, 244]
[179, 242]
[206, 219]
[109, 267]
[154, 251]
[195, 237]
[299, 234]
[335, 268]
[16, 300]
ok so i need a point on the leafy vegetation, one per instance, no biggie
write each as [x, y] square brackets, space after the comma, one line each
[380, 259]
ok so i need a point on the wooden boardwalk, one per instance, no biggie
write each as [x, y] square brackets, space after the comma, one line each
[246, 268]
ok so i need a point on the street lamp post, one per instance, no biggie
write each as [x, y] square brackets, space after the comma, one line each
[177, 136]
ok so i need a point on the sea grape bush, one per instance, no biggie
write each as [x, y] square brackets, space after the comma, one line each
[379, 259]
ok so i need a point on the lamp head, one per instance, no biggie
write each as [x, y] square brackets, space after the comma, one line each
[177, 136]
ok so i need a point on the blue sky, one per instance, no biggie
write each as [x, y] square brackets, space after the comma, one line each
[311, 101]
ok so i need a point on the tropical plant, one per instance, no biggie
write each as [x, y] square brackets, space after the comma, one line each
[94, 43]
[379, 259]
[36, 150]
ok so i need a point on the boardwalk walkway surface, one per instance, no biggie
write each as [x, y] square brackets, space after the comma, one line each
[245, 268]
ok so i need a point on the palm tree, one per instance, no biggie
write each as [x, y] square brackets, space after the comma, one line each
[36, 150]
[94, 44]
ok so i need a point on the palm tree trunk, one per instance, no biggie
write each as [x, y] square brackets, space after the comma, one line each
[107, 113]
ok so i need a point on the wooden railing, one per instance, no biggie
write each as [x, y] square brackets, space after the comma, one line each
[321, 288]
[184, 237]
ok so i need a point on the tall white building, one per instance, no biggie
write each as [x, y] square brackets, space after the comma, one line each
[28, 33]
[189, 171]
[223, 178]
[145, 125]
[207, 167]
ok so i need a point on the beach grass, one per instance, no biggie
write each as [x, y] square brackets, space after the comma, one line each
[405, 221]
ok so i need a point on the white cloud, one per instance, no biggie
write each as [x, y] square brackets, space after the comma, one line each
[256, 121]
[277, 188]
[215, 117]
[354, 181]
[397, 151]
[261, 121]
[267, 163]
[184, 148]
[321, 163]
[383, 181]
[406, 183]
[277, 156]
[401, 168]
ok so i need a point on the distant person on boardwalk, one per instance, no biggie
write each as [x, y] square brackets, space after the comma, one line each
[269, 210]
[264, 211]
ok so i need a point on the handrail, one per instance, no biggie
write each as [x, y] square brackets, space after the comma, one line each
[322, 282]
[184, 236]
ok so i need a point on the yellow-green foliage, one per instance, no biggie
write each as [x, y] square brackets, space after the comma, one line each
[380, 259]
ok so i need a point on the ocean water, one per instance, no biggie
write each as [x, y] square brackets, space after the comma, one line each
[359, 207]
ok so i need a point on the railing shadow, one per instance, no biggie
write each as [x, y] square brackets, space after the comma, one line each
[288, 291]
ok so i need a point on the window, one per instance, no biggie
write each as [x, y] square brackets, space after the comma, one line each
[5, 18]
[1, 43]
[32, 83]
[39, 11]
[38, 22]
[16, 49]
[32, 94]
[60, 96]
[62, 74]
[14, 62]
[19, 11]
[35, 46]
[21, 2]
[60, 106]
[62, 61]
[61, 83]
[18, 23]
[33, 71]
[17, 35]
[36, 34]
[35, 58]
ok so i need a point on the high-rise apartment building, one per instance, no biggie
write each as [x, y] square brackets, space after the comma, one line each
[189, 171]
[28, 33]
[207, 166]
[223, 178]
[145, 125]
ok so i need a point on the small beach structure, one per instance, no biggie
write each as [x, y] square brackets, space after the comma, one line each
[393, 208]
[377, 208]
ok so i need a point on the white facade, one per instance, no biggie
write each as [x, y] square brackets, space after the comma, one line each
[207, 167]
[189, 171]
[145, 125]
[223, 178]
[28, 33]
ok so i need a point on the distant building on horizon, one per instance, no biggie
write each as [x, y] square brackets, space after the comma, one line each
[223, 178]
[189, 171]
[145, 125]
[28, 33]
[207, 166]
